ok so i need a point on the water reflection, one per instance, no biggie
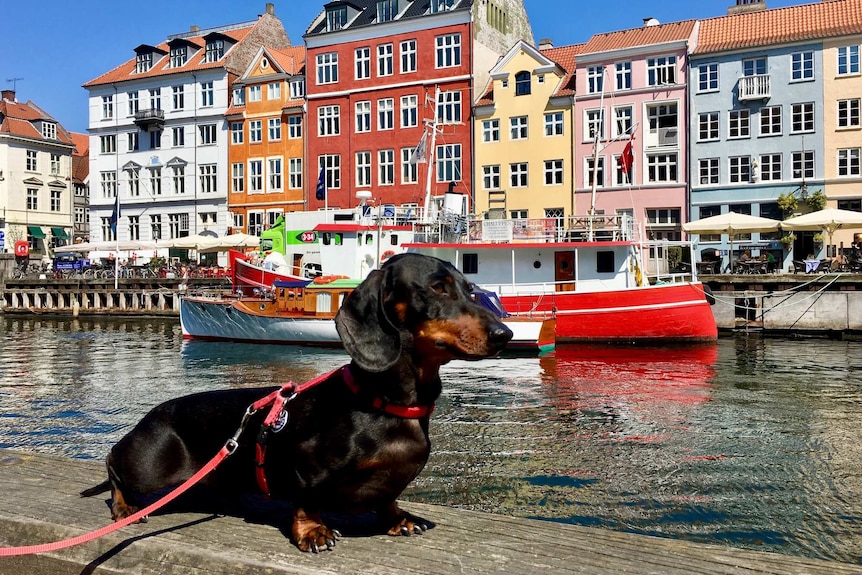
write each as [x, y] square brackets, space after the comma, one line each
[753, 442]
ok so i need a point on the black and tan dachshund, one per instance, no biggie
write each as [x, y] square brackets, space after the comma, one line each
[340, 450]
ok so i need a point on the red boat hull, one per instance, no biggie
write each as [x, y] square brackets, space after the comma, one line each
[673, 312]
[250, 276]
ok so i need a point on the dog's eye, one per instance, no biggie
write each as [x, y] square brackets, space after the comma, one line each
[440, 288]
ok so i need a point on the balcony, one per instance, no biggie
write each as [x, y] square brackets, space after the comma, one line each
[151, 120]
[754, 88]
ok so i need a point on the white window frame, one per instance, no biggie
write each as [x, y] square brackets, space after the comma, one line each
[661, 71]
[327, 68]
[362, 63]
[294, 171]
[386, 167]
[274, 129]
[363, 169]
[237, 178]
[408, 56]
[848, 60]
[362, 114]
[554, 172]
[449, 107]
[802, 66]
[770, 121]
[770, 168]
[739, 169]
[329, 120]
[519, 128]
[409, 170]
[708, 169]
[554, 125]
[255, 176]
[237, 135]
[623, 76]
[707, 78]
[491, 130]
[255, 131]
[848, 112]
[519, 175]
[491, 177]
[447, 51]
[448, 157]
[275, 174]
[662, 168]
[386, 114]
[708, 127]
[385, 60]
[294, 127]
[738, 124]
[255, 93]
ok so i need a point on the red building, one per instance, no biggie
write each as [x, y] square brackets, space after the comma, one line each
[377, 73]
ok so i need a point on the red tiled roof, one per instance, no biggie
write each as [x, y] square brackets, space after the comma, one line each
[19, 120]
[126, 70]
[291, 60]
[565, 57]
[643, 36]
[780, 25]
[82, 143]
[487, 98]
[80, 157]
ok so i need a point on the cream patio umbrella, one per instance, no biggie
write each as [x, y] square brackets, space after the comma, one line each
[826, 221]
[224, 243]
[731, 223]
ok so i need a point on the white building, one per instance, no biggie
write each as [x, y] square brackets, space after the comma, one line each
[158, 134]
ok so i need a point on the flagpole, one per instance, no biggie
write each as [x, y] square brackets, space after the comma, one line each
[117, 239]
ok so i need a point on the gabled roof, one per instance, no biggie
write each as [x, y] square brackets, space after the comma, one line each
[565, 57]
[23, 120]
[640, 37]
[780, 25]
[368, 12]
[161, 63]
[291, 60]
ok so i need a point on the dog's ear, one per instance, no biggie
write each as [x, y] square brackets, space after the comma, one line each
[365, 330]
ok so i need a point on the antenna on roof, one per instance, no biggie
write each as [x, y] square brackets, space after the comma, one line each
[13, 81]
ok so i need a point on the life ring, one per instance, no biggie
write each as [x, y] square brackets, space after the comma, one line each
[328, 279]
[386, 255]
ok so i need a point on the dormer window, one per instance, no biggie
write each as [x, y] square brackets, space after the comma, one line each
[441, 5]
[387, 10]
[179, 56]
[143, 62]
[336, 18]
[239, 96]
[215, 51]
[49, 130]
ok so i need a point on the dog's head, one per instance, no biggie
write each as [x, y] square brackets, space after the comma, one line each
[425, 297]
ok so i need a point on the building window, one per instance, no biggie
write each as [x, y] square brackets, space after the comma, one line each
[770, 121]
[237, 178]
[156, 226]
[108, 146]
[143, 62]
[156, 181]
[449, 107]
[491, 130]
[802, 164]
[208, 134]
[448, 50]
[274, 129]
[32, 199]
[590, 171]
[770, 167]
[255, 93]
[386, 167]
[56, 195]
[491, 177]
[155, 98]
[239, 96]
[134, 177]
[518, 128]
[55, 164]
[623, 75]
[276, 174]
[255, 131]
[409, 170]
[255, 222]
[31, 164]
[294, 170]
[327, 68]
[179, 179]
[179, 136]
[363, 116]
[662, 168]
[738, 124]
[708, 171]
[178, 95]
[207, 94]
[595, 80]
[623, 120]
[214, 51]
[297, 89]
[329, 120]
[179, 56]
[848, 162]
[385, 60]
[661, 71]
[594, 126]
[707, 77]
[273, 91]
[156, 140]
[553, 172]
[553, 124]
[336, 18]
[408, 56]
[387, 10]
[523, 83]
[518, 175]
[409, 111]
[294, 127]
[133, 102]
[802, 66]
[754, 67]
[802, 117]
[255, 176]
[707, 126]
[107, 107]
[739, 169]
[848, 60]
[848, 113]
[331, 166]
[449, 163]
[441, 5]
[386, 114]
[851, 205]
[236, 133]
[362, 60]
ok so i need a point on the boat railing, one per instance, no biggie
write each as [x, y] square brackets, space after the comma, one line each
[666, 261]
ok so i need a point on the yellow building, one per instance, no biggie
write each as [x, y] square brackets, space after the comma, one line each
[842, 121]
[523, 132]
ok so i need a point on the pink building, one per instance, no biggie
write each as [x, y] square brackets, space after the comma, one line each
[631, 89]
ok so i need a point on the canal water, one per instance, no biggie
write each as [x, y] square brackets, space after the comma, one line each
[753, 442]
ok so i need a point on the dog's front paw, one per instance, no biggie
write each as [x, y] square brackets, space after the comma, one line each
[310, 534]
[408, 525]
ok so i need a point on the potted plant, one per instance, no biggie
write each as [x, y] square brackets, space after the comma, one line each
[787, 240]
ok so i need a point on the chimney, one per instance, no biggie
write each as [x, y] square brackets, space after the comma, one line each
[745, 6]
[194, 28]
[650, 21]
[8, 95]
[270, 8]
[545, 43]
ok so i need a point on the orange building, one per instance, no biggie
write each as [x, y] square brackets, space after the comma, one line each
[266, 140]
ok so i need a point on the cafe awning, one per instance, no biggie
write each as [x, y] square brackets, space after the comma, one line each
[59, 233]
[35, 231]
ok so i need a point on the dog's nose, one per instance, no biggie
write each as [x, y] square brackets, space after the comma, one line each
[500, 335]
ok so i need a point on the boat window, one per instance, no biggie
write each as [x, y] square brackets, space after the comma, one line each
[369, 238]
[470, 263]
[605, 262]
[393, 239]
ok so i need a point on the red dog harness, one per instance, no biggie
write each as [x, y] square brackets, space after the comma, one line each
[278, 414]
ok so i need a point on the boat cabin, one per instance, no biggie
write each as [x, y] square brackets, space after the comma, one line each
[320, 298]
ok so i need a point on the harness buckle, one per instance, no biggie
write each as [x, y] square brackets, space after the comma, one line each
[231, 445]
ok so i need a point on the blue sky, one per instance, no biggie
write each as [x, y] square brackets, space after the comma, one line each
[58, 45]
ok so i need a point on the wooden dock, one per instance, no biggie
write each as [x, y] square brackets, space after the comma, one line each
[39, 503]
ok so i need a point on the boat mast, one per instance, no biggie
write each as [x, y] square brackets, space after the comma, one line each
[599, 129]
[426, 215]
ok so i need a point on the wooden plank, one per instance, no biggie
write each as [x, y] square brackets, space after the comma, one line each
[39, 503]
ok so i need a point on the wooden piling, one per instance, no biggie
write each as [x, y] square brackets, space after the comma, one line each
[39, 503]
